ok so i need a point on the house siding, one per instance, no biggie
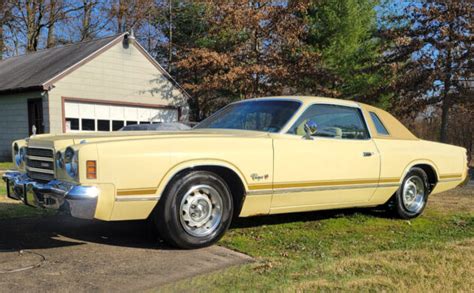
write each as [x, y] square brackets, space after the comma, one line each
[14, 119]
[119, 74]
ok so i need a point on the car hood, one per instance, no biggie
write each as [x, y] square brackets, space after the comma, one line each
[59, 141]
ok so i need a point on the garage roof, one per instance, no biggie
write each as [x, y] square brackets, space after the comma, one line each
[38, 70]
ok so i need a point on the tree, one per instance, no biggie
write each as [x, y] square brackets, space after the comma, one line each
[429, 47]
[34, 16]
[128, 14]
[344, 34]
[224, 51]
[88, 25]
[5, 19]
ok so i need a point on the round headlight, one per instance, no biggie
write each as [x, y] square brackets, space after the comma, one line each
[59, 160]
[20, 154]
[23, 154]
[71, 162]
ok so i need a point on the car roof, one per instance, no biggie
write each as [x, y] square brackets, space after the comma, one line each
[309, 100]
[396, 128]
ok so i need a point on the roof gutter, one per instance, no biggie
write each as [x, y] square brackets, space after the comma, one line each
[24, 89]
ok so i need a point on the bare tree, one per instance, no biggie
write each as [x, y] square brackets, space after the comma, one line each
[5, 18]
[430, 50]
[128, 14]
[34, 16]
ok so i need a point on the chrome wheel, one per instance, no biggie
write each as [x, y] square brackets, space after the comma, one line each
[413, 194]
[201, 210]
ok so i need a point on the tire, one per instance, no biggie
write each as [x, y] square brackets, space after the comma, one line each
[410, 199]
[195, 210]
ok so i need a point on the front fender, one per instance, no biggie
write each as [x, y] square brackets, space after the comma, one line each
[190, 164]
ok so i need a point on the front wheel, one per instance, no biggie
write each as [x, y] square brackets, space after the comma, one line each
[410, 199]
[195, 210]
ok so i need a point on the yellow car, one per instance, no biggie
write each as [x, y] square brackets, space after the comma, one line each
[255, 157]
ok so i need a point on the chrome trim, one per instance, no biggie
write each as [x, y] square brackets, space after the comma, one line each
[356, 106]
[325, 188]
[136, 198]
[35, 158]
[44, 171]
[77, 200]
[450, 180]
[41, 147]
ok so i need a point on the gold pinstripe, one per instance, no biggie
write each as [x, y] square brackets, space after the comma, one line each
[286, 185]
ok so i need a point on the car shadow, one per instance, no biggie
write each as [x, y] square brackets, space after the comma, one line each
[62, 231]
[312, 216]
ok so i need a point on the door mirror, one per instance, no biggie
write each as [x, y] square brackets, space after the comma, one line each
[310, 128]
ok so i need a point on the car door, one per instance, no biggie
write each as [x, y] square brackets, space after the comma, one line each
[338, 166]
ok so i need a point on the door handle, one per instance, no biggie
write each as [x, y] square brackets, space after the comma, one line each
[367, 154]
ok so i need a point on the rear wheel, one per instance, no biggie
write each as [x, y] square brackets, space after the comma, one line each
[195, 210]
[410, 199]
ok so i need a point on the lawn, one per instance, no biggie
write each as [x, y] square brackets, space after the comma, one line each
[6, 165]
[352, 251]
[349, 250]
[15, 209]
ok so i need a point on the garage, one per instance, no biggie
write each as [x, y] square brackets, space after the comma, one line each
[85, 116]
[99, 85]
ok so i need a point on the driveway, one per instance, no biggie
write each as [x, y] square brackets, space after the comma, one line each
[65, 254]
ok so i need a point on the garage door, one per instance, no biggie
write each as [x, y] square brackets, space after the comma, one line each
[99, 117]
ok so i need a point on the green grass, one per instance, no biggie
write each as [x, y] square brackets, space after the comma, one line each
[10, 209]
[352, 251]
[6, 165]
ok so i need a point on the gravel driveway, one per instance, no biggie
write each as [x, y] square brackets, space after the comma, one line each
[66, 254]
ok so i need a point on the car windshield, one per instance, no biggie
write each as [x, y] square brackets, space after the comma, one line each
[256, 115]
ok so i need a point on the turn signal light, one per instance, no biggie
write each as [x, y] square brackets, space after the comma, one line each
[91, 169]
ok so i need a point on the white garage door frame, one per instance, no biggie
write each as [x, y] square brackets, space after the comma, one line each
[95, 113]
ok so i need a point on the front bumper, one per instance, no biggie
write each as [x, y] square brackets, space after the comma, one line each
[76, 200]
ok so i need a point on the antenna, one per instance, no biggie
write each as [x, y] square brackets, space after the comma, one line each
[170, 57]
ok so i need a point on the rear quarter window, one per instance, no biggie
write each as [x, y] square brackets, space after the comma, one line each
[381, 129]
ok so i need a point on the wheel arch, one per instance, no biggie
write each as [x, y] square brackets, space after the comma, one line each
[428, 166]
[227, 171]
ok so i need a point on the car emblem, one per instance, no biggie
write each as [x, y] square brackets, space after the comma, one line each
[257, 177]
[45, 165]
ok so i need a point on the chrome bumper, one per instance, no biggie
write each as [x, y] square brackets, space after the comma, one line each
[76, 200]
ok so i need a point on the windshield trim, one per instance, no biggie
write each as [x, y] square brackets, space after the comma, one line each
[297, 110]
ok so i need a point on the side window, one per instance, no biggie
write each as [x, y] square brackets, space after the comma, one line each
[378, 124]
[333, 121]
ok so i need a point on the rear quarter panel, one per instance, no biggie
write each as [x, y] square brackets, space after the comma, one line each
[399, 156]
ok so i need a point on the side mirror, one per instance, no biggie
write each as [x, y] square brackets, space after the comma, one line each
[310, 128]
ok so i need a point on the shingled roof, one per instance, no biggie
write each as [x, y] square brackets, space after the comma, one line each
[38, 70]
[34, 70]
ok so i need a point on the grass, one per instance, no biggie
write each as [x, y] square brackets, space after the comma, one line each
[352, 251]
[6, 165]
[10, 209]
[349, 250]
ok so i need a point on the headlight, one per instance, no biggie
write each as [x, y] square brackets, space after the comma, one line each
[59, 160]
[20, 154]
[71, 162]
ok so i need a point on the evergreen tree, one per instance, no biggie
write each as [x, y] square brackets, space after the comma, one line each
[343, 32]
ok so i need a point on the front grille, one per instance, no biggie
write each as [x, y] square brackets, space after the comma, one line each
[40, 163]
[47, 153]
[40, 176]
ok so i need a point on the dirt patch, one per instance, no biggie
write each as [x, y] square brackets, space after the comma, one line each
[96, 256]
[459, 199]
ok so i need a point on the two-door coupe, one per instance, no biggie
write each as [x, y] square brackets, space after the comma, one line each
[254, 157]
